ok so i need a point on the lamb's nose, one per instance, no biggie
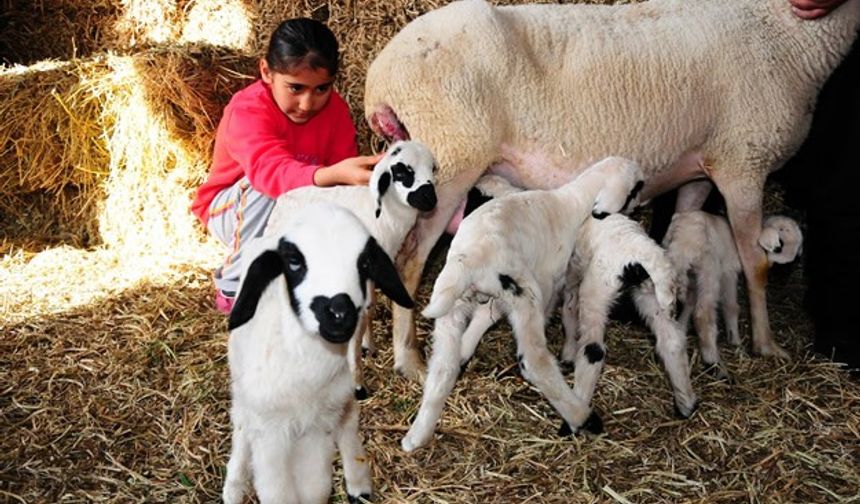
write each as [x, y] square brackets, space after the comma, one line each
[423, 198]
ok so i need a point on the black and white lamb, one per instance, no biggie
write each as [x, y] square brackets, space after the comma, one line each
[608, 252]
[513, 253]
[701, 247]
[401, 187]
[304, 289]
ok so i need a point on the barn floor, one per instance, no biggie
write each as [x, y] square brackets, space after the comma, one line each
[123, 397]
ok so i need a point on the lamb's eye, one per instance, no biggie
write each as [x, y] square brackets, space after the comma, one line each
[295, 263]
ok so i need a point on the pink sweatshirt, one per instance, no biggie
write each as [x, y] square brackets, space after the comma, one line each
[255, 139]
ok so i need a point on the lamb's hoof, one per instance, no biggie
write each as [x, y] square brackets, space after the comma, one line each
[565, 430]
[361, 393]
[365, 352]
[463, 367]
[357, 500]
[412, 441]
[593, 424]
[567, 366]
[412, 368]
[686, 412]
[233, 493]
[771, 349]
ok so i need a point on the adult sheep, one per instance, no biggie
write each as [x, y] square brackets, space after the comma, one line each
[689, 89]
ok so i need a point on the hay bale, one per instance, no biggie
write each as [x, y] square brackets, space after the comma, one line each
[135, 130]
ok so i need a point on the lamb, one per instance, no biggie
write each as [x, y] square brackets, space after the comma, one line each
[512, 253]
[303, 291]
[607, 252]
[700, 246]
[401, 186]
[689, 89]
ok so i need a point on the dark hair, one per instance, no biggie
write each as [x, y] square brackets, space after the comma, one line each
[302, 42]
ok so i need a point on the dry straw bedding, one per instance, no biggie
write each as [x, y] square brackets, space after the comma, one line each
[113, 376]
[126, 400]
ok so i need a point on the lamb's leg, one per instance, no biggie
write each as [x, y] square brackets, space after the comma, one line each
[539, 367]
[743, 194]
[570, 321]
[692, 195]
[272, 471]
[356, 468]
[354, 357]
[367, 344]
[239, 466]
[443, 371]
[482, 319]
[707, 296]
[410, 263]
[597, 295]
[729, 289]
[311, 466]
[671, 348]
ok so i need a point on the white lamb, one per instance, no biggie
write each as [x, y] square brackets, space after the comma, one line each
[607, 252]
[304, 289]
[512, 253]
[401, 186]
[701, 248]
[689, 89]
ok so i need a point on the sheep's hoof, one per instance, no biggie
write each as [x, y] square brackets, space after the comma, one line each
[718, 372]
[463, 366]
[679, 413]
[357, 500]
[565, 430]
[771, 349]
[361, 393]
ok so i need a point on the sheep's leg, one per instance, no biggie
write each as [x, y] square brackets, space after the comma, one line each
[729, 289]
[482, 319]
[272, 471]
[743, 194]
[539, 367]
[356, 468]
[410, 263]
[570, 322]
[443, 371]
[311, 466]
[239, 466]
[597, 297]
[671, 348]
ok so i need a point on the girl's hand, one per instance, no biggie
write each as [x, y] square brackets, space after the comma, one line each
[812, 9]
[350, 171]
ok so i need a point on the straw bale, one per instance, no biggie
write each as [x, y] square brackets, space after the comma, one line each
[136, 131]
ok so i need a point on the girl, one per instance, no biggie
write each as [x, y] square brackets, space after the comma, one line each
[286, 130]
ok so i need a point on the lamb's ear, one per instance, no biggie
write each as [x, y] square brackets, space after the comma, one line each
[381, 186]
[260, 274]
[769, 240]
[381, 270]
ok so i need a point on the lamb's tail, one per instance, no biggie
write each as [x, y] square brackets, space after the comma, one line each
[450, 285]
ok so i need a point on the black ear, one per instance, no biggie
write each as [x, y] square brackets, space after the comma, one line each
[381, 187]
[381, 270]
[260, 274]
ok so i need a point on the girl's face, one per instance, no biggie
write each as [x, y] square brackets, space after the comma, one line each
[301, 93]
